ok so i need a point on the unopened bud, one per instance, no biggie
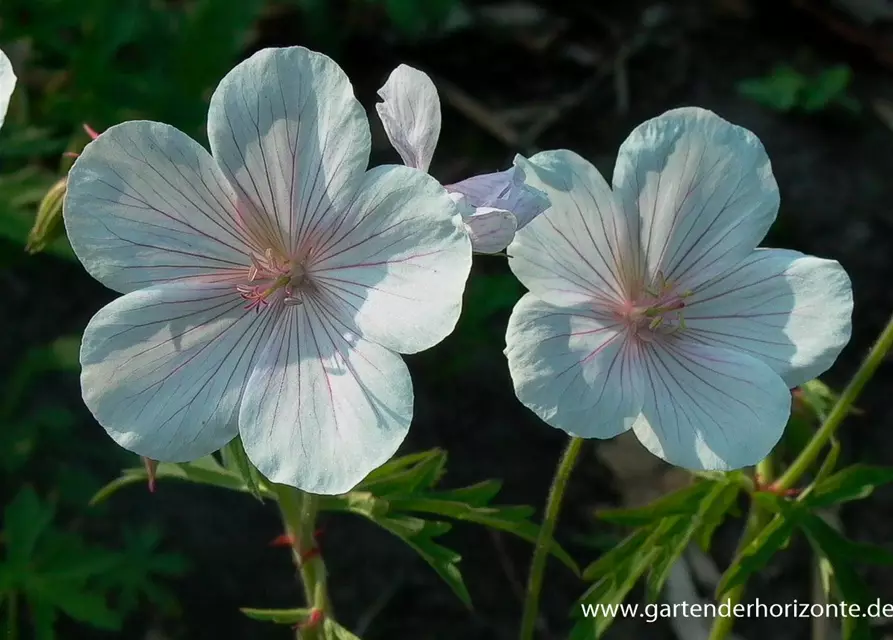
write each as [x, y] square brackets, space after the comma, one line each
[48, 222]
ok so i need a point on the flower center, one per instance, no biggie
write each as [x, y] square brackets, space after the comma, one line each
[274, 277]
[658, 311]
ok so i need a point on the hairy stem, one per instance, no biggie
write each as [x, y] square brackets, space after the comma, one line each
[544, 540]
[299, 511]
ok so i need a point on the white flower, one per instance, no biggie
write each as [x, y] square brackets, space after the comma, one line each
[649, 307]
[268, 284]
[7, 84]
[493, 205]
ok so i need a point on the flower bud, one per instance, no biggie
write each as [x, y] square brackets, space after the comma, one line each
[47, 224]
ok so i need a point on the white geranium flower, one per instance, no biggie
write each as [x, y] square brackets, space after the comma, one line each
[7, 84]
[267, 284]
[649, 307]
[493, 205]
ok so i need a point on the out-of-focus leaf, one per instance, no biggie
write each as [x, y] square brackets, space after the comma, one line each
[25, 520]
[834, 549]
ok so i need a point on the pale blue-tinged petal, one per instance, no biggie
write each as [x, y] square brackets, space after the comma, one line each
[323, 407]
[504, 190]
[147, 204]
[788, 309]
[710, 408]
[490, 230]
[289, 134]
[164, 368]
[410, 114]
[578, 247]
[703, 190]
[7, 84]
[574, 368]
[398, 259]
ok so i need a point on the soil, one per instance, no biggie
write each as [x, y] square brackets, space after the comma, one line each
[834, 171]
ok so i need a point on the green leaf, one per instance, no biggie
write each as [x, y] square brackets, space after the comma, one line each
[617, 555]
[78, 603]
[756, 554]
[836, 545]
[407, 474]
[683, 501]
[26, 519]
[714, 513]
[279, 616]
[513, 519]
[236, 461]
[611, 589]
[779, 90]
[833, 548]
[826, 88]
[205, 471]
[334, 631]
[419, 534]
[677, 533]
[853, 483]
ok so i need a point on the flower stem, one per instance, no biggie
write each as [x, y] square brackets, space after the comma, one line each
[756, 520]
[812, 450]
[299, 511]
[544, 540]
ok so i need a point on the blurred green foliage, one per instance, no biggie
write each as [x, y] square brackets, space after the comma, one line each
[49, 566]
[786, 89]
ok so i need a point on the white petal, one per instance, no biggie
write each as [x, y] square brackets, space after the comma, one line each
[703, 190]
[398, 260]
[490, 230]
[7, 84]
[324, 407]
[287, 131]
[410, 114]
[790, 310]
[577, 251]
[710, 408]
[573, 368]
[146, 204]
[504, 190]
[164, 368]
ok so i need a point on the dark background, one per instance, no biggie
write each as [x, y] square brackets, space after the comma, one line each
[537, 75]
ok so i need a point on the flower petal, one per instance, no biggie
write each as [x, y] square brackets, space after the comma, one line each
[710, 408]
[490, 230]
[504, 190]
[324, 407]
[573, 368]
[164, 368]
[147, 204]
[398, 260]
[7, 84]
[410, 114]
[703, 190]
[289, 134]
[577, 250]
[790, 310]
